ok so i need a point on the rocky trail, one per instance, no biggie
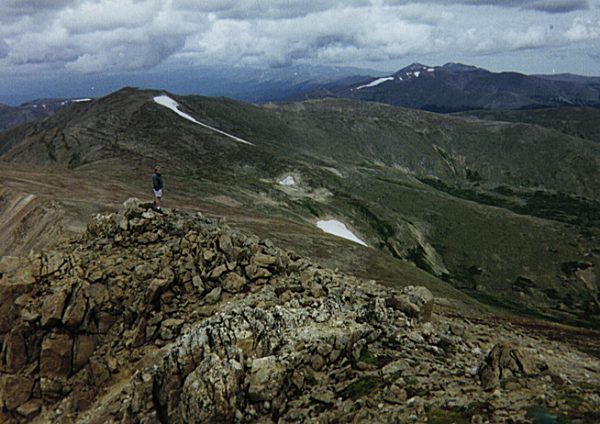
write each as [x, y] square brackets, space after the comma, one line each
[177, 318]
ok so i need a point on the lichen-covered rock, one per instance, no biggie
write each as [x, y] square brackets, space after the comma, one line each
[266, 378]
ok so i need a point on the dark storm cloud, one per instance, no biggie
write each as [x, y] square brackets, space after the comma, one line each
[549, 6]
[14, 9]
[558, 6]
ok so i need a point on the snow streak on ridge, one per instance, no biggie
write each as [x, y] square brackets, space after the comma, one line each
[339, 229]
[168, 102]
[375, 82]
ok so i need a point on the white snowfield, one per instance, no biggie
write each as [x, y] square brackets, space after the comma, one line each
[87, 99]
[339, 229]
[288, 181]
[168, 102]
[375, 82]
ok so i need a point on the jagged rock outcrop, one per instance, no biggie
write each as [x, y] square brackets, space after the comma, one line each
[504, 362]
[173, 317]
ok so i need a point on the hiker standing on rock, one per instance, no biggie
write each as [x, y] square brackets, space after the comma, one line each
[157, 186]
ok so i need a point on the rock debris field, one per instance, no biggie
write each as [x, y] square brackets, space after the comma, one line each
[176, 318]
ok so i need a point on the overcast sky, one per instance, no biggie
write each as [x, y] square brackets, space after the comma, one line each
[45, 39]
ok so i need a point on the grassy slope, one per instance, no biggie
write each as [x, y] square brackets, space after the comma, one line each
[578, 122]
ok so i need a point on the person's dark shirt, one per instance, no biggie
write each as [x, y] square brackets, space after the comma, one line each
[157, 181]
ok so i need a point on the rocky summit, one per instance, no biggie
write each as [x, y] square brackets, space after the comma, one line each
[172, 317]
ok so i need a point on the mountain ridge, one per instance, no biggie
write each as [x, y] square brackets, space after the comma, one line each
[504, 212]
[456, 87]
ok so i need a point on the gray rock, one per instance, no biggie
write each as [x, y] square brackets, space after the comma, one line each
[233, 282]
[170, 328]
[214, 295]
[266, 378]
[416, 302]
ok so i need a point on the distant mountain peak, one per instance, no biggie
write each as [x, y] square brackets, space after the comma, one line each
[413, 70]
[460, 67]
[414, 67]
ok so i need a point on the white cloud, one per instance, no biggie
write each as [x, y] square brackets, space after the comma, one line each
[532, 37]
[127, 35]
[336, 35]
[583, 29]
[91, 17]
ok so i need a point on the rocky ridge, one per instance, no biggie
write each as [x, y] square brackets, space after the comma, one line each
[173, 317]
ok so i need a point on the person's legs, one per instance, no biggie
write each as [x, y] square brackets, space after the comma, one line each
[157, 196]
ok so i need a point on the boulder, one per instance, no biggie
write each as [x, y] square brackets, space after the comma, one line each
[98, 295]
[53, 307]
[225, 244]
[218, 271]
[8, 311]
[506, 361]
[130, 206]
[233, 282]
[253, 272]
[198, 284]
[209, 393]
[155, 288]
[51, 263]
[264, 261]
[15, 353]
[266, 378]
[83, 349]
[106, 320]
[98, 371]
[55, 357]
[30, 408]
[214, 295]
[75, 312]
[16, 278]
[415, 302]
[15, 390]
[170, 328]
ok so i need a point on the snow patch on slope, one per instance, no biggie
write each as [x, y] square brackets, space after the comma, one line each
[375, 82]
[288, 181]
[339, 229]
[168, 102]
